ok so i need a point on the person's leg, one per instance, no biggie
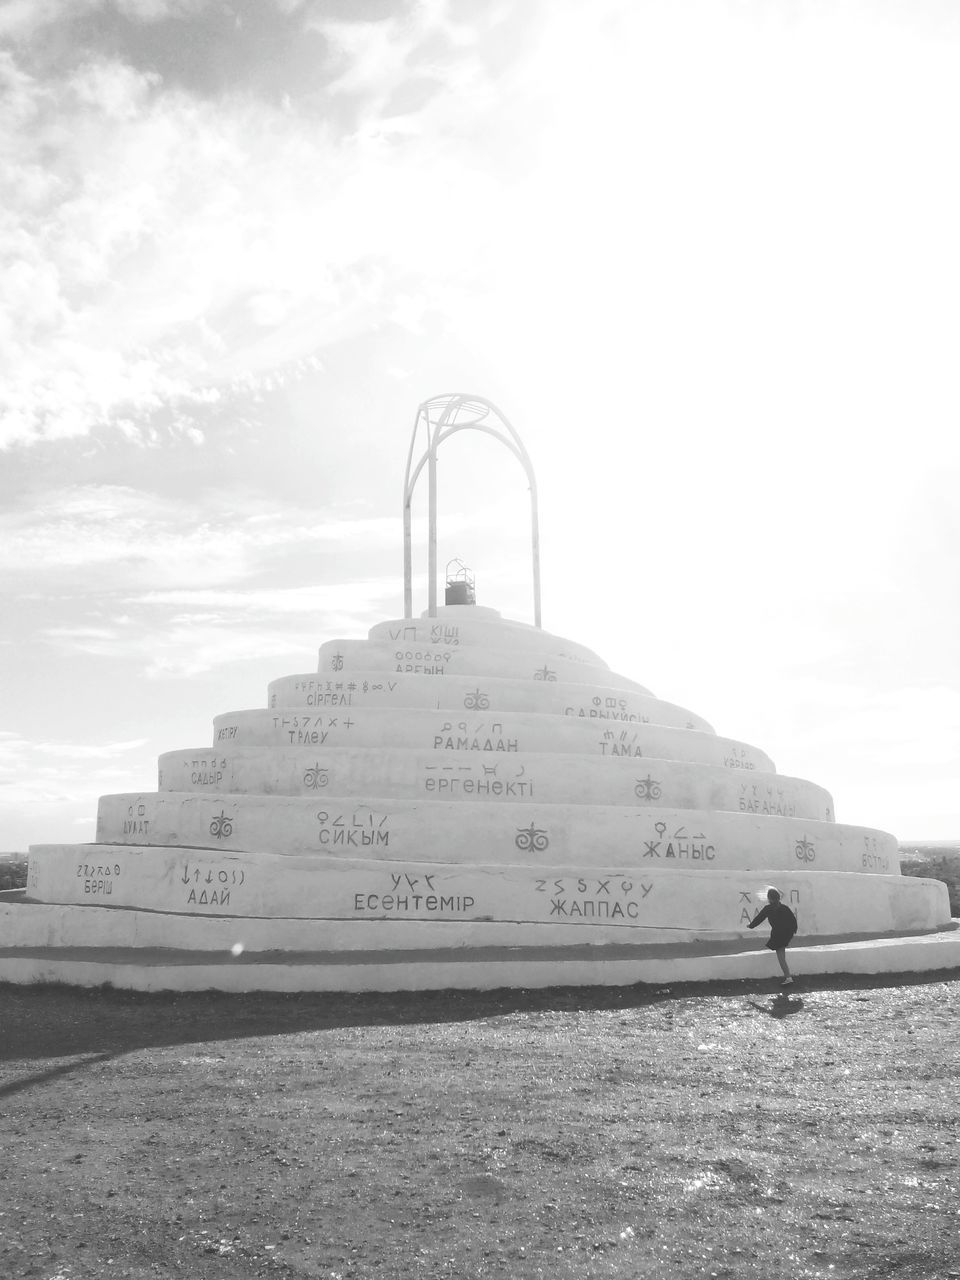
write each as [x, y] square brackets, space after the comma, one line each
[782, 960]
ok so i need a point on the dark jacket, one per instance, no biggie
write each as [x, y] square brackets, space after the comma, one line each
[783, 924]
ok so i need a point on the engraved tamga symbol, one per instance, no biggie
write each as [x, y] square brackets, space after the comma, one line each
[337, 662]
[315, 777]
[532, 838]
[805, 851]
[476, 701]
[647, 789]
[544, 673]
[221, 826]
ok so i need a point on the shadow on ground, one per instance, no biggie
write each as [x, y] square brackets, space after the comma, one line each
[57, 1021]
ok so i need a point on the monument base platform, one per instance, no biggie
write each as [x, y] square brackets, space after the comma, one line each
[152, 951]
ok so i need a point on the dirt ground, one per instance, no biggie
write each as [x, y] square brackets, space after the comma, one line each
[693, 1131]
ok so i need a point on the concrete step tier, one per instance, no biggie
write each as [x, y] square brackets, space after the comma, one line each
[468, 833]
[459, 626]
[476, 775]
[469, 694]
[418, 659]
[617, 900]
[460, 801]
[157, 951]
[492, 734]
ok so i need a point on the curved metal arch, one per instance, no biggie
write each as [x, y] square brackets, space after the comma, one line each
[441, 417]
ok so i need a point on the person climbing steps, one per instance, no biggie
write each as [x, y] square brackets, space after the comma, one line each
[783, 926]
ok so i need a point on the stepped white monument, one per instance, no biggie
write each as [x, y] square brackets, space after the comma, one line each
[460, 800]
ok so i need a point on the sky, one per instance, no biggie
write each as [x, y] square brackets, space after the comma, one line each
[702, 256]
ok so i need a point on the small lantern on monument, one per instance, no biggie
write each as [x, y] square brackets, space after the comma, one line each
[460, 585]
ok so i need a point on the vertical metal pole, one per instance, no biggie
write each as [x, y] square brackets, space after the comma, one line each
[535, 535]
[407, 559]
[448, 407]
[432, 533]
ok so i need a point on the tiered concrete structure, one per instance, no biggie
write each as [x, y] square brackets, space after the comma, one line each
[464, 801]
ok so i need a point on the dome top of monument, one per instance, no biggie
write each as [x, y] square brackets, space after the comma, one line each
[474, 612]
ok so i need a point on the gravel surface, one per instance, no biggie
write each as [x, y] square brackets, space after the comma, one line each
[692, 1131]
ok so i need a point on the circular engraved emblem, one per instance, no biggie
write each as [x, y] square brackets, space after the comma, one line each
[805, 851]
[532, 838]
[221, 826]
[647, 789]
[315, 777]
[476, 701]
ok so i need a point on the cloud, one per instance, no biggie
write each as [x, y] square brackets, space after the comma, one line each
[134, 538]
[543, 185]
[26, 765]
[156, 10]
[178, 587]
[339, 597]
[47, 782]
[22, 19]
[25, 20]
[166, 246]
[187, 633]
[112, 572]
[188, 645]
[86, 751]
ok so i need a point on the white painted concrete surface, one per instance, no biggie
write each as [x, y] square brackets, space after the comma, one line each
[474, 832]
[462, 801]
[481, 731]
[470, 694]
[55, 925]
[470, 775]
[203, 882]
[137, 952]
[464, 626]
[421, 659]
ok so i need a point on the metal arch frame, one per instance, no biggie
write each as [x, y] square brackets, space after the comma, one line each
[439, 426]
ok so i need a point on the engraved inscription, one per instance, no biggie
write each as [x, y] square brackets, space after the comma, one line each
[647, 789]
[607, 708]
[427, 662]
[464, 736]
[805, 851]
[209, 885]
[757, 798]
[452, 780]
[316, 777]
[622, 744]
[410, 896]
[532, 839]
[222, 826]
[680, 846]
[595, 897]
[206, 772]
[358, 829]
[98, 880]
